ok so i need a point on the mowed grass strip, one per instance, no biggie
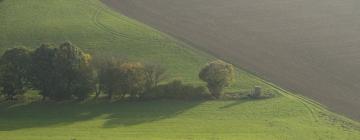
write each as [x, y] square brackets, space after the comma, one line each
[102, 32]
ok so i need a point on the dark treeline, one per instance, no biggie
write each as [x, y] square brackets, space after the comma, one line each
[66, 72]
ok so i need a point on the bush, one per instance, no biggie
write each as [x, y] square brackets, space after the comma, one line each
[257, 93]
[177, 90]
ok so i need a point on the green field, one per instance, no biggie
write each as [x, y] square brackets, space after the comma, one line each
[102, 32]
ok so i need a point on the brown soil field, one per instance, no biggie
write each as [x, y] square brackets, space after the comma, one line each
[311, 47]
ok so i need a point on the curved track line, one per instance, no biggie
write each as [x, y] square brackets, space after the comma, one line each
[311, 106]
[101, 26]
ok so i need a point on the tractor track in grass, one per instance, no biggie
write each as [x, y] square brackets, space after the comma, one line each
[101, 26]
[162, 41]
[97, 22]
[312, 107]
[309, 47]
[121, 35]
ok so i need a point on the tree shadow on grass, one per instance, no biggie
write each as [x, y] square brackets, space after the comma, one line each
[137, 113]
[243, 100]
[235, 103]
[38, 114]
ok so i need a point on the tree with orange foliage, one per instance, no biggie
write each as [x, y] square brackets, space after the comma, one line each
[133, 79]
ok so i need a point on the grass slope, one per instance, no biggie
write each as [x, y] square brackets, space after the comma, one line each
[98, 30]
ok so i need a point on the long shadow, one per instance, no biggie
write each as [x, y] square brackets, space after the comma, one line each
[243, 100]
[21, 116]
[141, 112]
[235, 103]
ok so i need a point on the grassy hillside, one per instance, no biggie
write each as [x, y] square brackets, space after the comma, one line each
[279, 118]
[98, 30]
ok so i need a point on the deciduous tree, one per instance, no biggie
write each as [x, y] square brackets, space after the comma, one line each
[73, 73]
[154, 73]
[133, 81]
[43, 71]
[14, 69]
[110, 78]
[217, 75]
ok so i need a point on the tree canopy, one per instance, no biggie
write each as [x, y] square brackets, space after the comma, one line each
[14, 70]
[62, 72]
[217, 75]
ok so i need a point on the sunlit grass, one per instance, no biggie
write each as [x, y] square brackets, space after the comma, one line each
[98, 30]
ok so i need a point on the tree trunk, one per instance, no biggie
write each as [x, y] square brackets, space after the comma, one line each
[215, 91]
[97, 93]
[43, 98]
[110, 95]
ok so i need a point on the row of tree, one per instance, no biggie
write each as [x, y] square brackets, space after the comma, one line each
[66, 72]
[126, 79]
[58, 73]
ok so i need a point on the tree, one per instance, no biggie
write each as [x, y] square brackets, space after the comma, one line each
[43, 71]
[154, 73]
[14, 69]
[119, 78]
[217, 75]
[72, 72]
[133, 81]
[110, 78]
